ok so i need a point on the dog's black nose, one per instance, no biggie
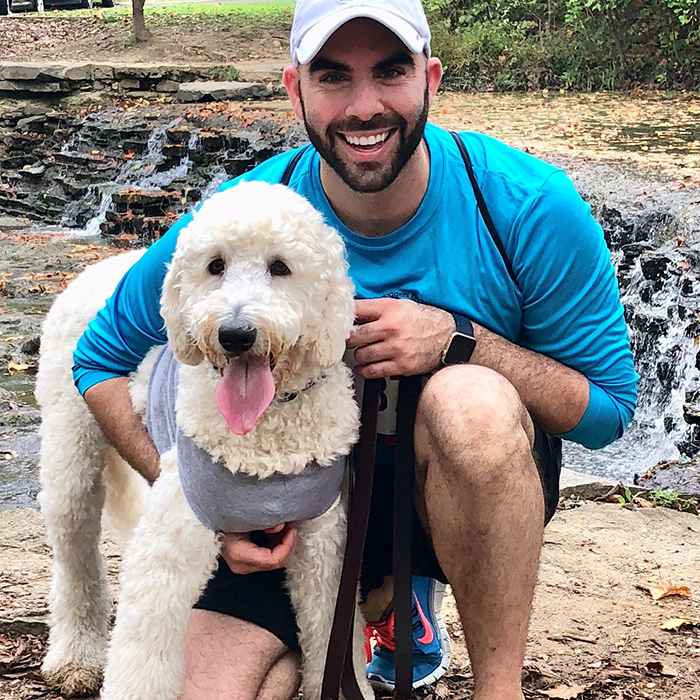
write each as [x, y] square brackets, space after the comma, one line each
[236, 340]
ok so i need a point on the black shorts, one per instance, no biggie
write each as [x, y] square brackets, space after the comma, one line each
[262, 598]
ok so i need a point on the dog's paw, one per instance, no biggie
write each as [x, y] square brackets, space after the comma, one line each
[73, 681]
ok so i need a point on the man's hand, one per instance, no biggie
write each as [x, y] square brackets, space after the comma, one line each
[397, 337]
[245, 557]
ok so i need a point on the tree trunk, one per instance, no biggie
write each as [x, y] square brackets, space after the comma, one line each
[141, 33]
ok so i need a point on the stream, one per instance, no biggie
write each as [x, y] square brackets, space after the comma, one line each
[84, 185]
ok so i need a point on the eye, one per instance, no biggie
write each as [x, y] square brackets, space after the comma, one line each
[217, 267]
[278, 268]
[333, 78]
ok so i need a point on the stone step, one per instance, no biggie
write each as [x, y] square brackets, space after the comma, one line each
[66, 77]
[217, 91]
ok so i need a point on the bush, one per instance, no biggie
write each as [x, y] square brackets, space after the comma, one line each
[573, 44]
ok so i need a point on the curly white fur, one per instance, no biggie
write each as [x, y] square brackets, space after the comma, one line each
[302, 320]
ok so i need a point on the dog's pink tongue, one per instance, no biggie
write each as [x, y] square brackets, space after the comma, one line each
[245, 391]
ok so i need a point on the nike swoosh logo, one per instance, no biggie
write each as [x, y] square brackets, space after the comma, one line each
[428, 635]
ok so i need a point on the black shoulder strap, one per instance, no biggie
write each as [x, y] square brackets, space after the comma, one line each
[287, 176]
[482, 206]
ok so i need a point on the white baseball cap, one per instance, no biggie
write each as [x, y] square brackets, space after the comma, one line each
[315, 20]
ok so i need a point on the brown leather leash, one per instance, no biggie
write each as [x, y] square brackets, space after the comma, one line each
[339, 669]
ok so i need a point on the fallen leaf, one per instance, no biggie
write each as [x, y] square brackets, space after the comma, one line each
[659, 590]
[676, 623]
[658, 668]
[17, 366]
[564, 692]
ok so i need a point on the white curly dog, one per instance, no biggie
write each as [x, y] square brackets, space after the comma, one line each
[257, 306]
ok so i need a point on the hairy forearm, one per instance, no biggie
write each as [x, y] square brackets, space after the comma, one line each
[110, 403]
[556, 395]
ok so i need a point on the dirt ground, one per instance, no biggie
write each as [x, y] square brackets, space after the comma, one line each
[595, 632]
[177, 41]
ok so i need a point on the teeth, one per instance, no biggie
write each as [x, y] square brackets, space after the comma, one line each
[367, 140]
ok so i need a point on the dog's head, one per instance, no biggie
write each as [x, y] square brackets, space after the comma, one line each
[258, 286]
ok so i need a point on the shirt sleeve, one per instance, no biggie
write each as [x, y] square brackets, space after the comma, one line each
[129, 324]
[572, 310]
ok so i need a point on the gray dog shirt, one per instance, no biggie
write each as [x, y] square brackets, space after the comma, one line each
[233, 502]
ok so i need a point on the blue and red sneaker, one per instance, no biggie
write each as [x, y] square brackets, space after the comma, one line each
[431, 643]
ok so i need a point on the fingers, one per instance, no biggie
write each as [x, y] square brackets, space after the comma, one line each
[245, 557]
[378, 370]
[376, 352]
[367, 310]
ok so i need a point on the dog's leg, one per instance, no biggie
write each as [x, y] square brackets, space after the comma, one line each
[72, 459]
[166, 566]
[313, 577]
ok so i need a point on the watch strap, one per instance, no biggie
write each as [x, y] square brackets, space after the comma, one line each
[462, 324]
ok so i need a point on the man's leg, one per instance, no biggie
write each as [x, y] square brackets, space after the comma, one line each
[230, 658]
[485, 512]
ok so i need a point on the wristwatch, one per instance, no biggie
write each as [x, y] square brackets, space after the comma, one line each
[462, 343]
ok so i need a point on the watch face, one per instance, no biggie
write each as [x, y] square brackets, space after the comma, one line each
[460, 349]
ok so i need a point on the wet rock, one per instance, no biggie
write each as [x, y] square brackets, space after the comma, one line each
[20, 417]
[31, 346]
[35, 172]
[130, 84]
[178, 136]
[35, 123]
[682, 478]
[654, 266]
[214, 91]
[8, 223]
[17, 287]
[167, 86]
[14, 412]
[691, 413]
[652, 325]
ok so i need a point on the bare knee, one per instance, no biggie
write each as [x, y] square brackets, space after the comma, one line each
[213, 640]
[472, 418]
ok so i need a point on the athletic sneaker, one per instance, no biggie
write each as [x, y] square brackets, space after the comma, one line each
[431, 643]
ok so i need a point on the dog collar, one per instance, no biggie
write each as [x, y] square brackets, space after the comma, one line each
[285, 398]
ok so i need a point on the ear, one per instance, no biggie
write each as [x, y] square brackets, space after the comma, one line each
[172, 309]
[434, 73]
[290, 78]
[339, 309]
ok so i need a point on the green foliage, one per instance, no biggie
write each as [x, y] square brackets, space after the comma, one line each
[670, 499]
[570, 44]
[627, 496]
[227, 73]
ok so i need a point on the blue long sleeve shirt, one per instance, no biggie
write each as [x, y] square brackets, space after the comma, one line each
[565, 303]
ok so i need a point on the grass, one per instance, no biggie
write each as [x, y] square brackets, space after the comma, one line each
[252, 16]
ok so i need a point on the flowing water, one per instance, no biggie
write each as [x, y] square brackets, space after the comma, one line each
[649, 201]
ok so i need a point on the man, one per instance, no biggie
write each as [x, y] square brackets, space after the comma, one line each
[551, 355]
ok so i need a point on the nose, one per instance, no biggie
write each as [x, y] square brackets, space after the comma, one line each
[365, 102]
[236, 340]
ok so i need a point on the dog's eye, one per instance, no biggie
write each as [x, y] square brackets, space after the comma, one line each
[217, 267]
[279, 268]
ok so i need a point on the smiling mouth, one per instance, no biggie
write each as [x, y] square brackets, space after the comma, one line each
[370, 141]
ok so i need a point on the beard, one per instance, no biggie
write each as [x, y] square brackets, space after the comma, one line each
[369, 177]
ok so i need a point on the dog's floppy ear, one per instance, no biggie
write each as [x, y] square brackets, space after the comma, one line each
[339, 309]
[172, 309]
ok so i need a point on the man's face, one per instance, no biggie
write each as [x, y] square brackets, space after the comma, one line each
[364, 99]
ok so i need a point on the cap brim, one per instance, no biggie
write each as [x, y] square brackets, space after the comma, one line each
[316, 37]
